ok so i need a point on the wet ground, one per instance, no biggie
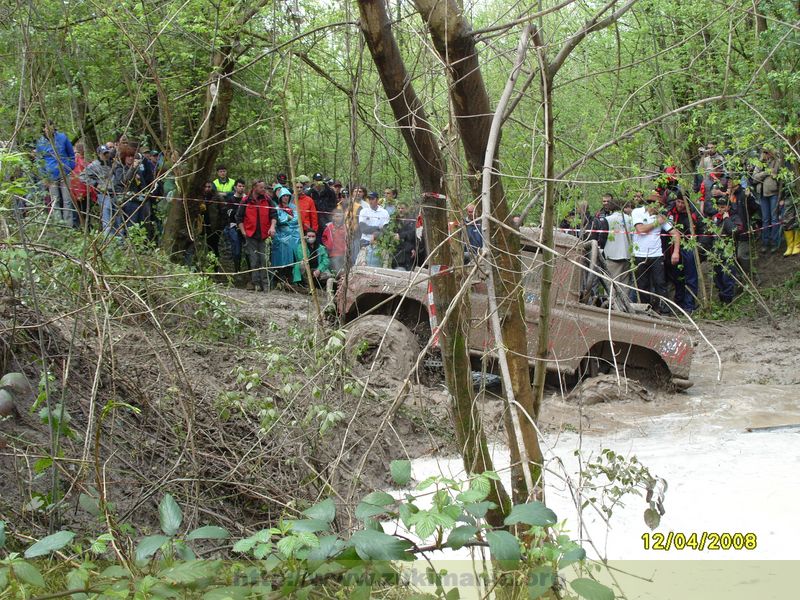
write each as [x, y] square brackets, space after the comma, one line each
[729, 449]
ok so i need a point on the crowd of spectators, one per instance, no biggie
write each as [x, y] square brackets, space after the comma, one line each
[289, 231]
[656, 243]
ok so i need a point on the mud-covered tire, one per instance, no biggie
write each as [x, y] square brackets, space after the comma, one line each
[386, 342]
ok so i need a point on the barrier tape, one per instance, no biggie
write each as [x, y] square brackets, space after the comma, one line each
[570, 230]
[432, 318]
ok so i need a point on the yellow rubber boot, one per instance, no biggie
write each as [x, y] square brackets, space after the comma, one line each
[789, 236]
[796, 248]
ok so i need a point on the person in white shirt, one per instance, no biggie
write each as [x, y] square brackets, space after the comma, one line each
[648, 226]
[616, 242]
[371, 221]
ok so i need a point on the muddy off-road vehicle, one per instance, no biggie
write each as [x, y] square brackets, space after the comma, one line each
[390, 309]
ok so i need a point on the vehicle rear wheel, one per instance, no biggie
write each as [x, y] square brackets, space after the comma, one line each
[383, 342]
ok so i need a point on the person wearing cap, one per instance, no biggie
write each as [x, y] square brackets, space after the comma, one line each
[287, 236]
[325, 200]
[98, 176]
[337, 189]
[223, 185]
[306, 206]
[648, 224]
[257, 222]
[371, 221]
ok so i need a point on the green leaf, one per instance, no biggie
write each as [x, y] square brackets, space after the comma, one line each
[453, 594]
[325, 511]
[76, 580]
[49, 544]
[362, 592]
[479, 509]
[231, 592]
[191, 571]
[28, 573]
[41, 465]
[329, 546]
[2, 534]
[533, 513]
[3, 578]
[401, 471]
[170, 515]
[149, 545]
[571, 556]
[89, 504]
[503, 546]
[209, 532]
[375, 545]
[540, 580]
[591, 590]
[114, 572]
[245, 544]
[460, 536]
[379, 499]
[651, 518]
[472, 496]
[424, 524]
[183, 551]
[365, 511]
[311, 525]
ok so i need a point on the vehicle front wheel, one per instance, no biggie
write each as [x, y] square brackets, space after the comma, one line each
[382, 348]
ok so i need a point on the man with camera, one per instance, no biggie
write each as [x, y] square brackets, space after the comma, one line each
[649, 225]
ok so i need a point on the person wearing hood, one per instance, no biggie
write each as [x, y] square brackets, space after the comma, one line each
[98, 175]
[318, 261]
[287, 235]
[57, 157]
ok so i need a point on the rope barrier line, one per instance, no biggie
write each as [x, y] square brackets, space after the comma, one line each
[571, 230]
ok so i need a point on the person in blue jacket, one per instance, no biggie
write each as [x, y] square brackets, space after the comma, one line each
[57, 159]
[287, 236]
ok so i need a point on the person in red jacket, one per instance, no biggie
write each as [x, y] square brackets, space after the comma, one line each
[334, 238]
[80, 192]
[257, 220]
[306, 206]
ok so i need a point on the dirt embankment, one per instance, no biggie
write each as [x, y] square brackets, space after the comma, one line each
[241, 429]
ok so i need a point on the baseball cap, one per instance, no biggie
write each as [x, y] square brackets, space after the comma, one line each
[318, 177]
[373, 195]
[103, 149]
[281, 178]
[337, 183]
[303, 179]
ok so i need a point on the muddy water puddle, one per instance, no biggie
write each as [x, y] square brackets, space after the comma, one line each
[722, 478]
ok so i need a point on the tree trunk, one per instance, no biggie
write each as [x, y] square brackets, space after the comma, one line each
[207, 147]
[548, 218]
[453, 40]
[430, 168]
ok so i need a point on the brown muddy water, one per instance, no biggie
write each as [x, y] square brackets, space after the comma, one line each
[721, 477]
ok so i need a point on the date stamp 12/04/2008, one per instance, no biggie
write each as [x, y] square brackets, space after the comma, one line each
[704, 540]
